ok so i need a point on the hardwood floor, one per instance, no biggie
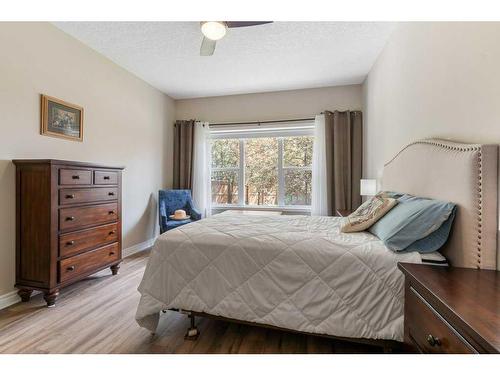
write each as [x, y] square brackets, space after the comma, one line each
[96, 315]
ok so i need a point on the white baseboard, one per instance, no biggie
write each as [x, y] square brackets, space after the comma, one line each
[8, 299]
[11, 298]
[138, 247]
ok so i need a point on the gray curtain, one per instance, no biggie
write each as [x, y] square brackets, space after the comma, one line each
[183, 153]
[344, 159]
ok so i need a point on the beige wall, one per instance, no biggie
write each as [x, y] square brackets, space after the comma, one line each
[432, 80]
[270, 106]
[127, 122]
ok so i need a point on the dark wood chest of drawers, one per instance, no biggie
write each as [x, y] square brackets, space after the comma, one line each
[68, 223]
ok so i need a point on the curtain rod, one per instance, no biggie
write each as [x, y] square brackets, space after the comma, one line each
[262, 122]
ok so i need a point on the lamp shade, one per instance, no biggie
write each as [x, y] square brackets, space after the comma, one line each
[368, 187]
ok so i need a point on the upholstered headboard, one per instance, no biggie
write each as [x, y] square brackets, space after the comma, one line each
[465, 174]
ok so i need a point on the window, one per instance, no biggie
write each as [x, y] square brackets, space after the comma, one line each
[262, 171]
[297, 162]
[225, 171]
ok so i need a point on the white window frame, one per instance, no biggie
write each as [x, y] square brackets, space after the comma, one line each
[280, 134]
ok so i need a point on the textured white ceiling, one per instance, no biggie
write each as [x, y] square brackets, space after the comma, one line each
[272, 57]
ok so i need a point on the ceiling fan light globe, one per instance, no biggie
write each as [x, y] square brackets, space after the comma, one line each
[213, 30]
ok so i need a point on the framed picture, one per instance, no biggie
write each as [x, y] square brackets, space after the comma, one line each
[61, 119]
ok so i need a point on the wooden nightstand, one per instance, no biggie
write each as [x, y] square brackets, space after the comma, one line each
[451, 310]
[344, 213]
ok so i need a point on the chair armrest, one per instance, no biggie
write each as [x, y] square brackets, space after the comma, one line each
[163, 217]
[163, 210]
[195, 214]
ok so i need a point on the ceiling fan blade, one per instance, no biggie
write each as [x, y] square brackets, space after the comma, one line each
[207, 47]
[232, 24]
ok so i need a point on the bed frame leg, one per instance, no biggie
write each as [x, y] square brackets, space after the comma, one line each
[192, 332]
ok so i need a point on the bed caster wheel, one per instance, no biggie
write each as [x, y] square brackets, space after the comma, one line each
[192, 334]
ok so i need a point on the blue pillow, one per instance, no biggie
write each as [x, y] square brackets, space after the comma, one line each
[415, 224]
[435, 240]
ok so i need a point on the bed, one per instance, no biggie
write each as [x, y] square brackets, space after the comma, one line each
[300, 273]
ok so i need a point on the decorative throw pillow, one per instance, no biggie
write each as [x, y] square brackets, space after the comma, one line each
[368, 213]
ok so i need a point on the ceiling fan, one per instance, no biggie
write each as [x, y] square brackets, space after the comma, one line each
[215, 30]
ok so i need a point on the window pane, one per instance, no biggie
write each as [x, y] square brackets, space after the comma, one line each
[261, 171]
[298, 187]
[225, 153]
[224, 187]
[297, 151]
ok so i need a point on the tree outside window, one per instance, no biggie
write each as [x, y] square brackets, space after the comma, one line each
[276, 171]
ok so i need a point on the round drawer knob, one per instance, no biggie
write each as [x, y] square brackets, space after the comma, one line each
[70, 196]
[111, 193]
[111, 212]
[112, 232]
[111, 253]
[433, 341]
[106, 177]
[75, 177]
[71, 268]
[70, 218]
[70, 243]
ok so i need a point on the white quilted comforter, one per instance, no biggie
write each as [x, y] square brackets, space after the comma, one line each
[296, 272]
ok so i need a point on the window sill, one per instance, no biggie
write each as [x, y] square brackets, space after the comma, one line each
[297, 210]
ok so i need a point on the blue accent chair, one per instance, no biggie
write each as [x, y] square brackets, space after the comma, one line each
[171, 200]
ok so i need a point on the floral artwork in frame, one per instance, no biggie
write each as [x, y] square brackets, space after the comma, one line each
[61, 119]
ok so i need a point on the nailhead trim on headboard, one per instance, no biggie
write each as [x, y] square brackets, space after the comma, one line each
[439, 143]
[461, 148]
[480, 207]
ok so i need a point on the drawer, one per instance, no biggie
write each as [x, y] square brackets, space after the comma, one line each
[105, 177]
[76, 217]
[75, 177]
[72, 243]
[429, 330]
[85, 263]
[69, 196]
